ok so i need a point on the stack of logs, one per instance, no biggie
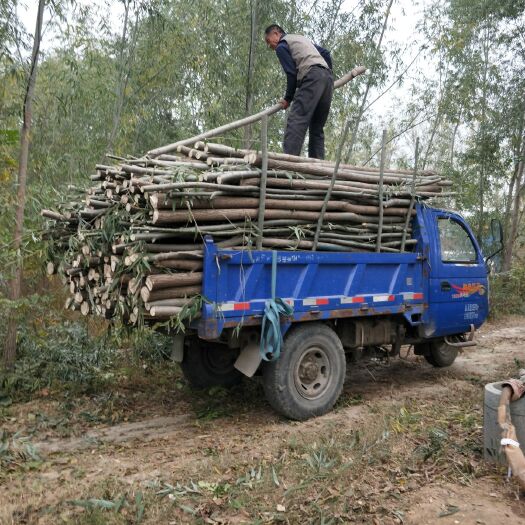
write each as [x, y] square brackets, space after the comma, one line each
[132, 247]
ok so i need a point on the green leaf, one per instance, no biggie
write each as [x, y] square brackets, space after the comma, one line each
[451, 509]
[94, 503]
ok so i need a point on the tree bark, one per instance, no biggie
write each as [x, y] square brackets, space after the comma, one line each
[519, 151]
[481, 190]
[15, 285]
[515, 195]
[249, 76]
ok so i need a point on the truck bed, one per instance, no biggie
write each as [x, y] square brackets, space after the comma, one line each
[318, 285]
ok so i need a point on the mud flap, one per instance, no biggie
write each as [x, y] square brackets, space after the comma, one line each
[249, 359]
[177, 348]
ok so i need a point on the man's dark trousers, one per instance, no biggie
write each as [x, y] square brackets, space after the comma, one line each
[309, 111]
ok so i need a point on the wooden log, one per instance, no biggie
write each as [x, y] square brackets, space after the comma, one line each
[168, 302]
[149, 296]
[85, 308]
[302, 184]
[326, 171]
[254, 157]
[305, 205]
[48, 214]
[220, 149]
[196, 165]
[189, 185]
[179, 264]
[218, 161]
[171, 280]
[165, 311]
[292, 244]
[177, 217]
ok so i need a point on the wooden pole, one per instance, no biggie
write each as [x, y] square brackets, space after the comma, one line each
[412, 197]
[245, 121]
[331, 186]
[381, 173]
[262, 186]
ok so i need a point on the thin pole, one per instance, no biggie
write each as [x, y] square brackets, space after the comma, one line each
[381, 173]
[332, 183]
[412, 197]
[264, 176]
[245, 121]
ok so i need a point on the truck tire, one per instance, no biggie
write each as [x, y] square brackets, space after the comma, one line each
[307, 379]
[437, 353]
[207, 364]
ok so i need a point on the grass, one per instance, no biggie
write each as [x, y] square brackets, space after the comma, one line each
[507, 293]
[326, 476]
[326, 471]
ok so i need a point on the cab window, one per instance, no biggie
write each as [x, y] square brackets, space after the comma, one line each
[456, 244]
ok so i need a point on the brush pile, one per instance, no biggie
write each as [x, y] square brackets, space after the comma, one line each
[131, 246]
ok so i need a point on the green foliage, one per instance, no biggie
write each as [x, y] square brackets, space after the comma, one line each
[507, 293]
[97, 508]
[59, 354]
[437, 439]
[16, 450]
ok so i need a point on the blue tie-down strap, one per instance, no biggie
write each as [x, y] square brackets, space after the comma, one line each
[271, 335]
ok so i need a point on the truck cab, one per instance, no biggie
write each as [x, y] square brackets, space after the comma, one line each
[457, 275]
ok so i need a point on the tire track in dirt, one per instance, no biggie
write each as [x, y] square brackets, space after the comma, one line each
[183, 447]
[377, 382]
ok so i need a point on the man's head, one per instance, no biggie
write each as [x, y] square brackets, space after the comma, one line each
[273, 34]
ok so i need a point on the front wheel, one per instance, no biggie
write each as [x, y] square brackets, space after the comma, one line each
[307, 379]
[438, 353]
[206, 365]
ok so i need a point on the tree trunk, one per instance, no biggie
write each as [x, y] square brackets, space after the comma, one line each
[15, 284]
[435, 125]
[515, 215]
[514, 185]
[328, 38]
[249, 76]
[353, 136]
[481, 192]
[125, 56]
[453, 142]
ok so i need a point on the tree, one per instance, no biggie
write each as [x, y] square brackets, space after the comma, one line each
[370, 81]
[15, 284]
[250, 71]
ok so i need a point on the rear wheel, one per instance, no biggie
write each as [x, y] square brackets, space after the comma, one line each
[307, 379]
[208, 364]
[437, 353]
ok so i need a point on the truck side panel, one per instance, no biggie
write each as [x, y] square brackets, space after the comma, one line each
[319, 285]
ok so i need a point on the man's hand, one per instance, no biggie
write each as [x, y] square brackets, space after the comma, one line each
[284, 103]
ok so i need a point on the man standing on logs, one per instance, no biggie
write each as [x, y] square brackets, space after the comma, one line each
[310, 85]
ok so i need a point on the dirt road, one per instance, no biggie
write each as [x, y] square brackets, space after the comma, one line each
[402, 446]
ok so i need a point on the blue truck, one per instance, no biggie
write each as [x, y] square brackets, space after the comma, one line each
[335, 307]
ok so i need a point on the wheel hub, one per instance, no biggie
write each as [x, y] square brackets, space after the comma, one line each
[312, 373]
